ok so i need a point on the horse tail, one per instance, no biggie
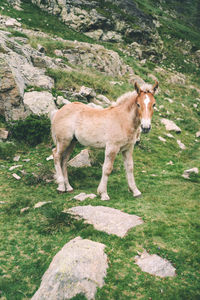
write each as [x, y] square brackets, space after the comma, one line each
[52, 115]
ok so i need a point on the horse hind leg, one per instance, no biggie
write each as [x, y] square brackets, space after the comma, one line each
[57, 156]
[66, 156]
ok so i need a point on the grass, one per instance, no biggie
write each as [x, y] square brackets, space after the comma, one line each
[169, 204]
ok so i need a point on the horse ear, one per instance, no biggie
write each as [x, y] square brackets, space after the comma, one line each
[137, 88]
[155, 86]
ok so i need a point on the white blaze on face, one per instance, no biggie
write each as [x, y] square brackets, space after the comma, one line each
[146, 122]
[146, 101]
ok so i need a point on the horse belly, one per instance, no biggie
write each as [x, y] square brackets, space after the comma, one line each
[90, 138]
[91, 133]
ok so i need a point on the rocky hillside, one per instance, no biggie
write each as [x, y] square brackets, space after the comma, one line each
[53, 51]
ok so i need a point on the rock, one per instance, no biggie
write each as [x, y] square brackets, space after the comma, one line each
[95, 106]
[106, 219]
[186, 173]
[112, 36]
[87, 92]
[16, 176]
[97, 57]
[11, 92]
[169, 100]
[96, 34]
[83, 196]
[49, 157]
[170, 125]
[162, 139]
[26, 159]
[102, 100]
[155, 265]
[169, 135]
[81, 160]
[62, 101]
[24, 209]
[16, 158]
[3, 134]
[198, 134]
[11, 22]
[39, 102]
[177, 79]
[14, 167]
[78, 268]
[39, 204]
[181, 145]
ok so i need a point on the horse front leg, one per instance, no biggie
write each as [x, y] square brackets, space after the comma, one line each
[128, 164]
[110, 154]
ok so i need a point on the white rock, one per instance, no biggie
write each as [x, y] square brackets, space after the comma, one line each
[155, 265]
[78, 268]
[16, 158]
[103, 100]
[169, 100]
[26, 159]
[39, 204]
[14, 167]
[162, 139]
[107, 219]
[61, 100]
[170, 135]
[3, 134]
[39, 102]
[11, 22]
[186, 173]
[94, 105]
[181, 145]
[86, 91]
[24, 209]
[83, 196]
[170, 163]
[198, 134]
[16, 176]
[81, 160]
[170, 125]
[50, 157]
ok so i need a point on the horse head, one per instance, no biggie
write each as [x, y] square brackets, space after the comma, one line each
[145, 104]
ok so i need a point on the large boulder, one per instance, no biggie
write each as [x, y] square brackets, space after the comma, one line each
[17, 72]
[79, 267]
[11, 93]
[39, 102]
[95, 56]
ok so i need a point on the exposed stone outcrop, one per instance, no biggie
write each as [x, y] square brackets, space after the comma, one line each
[107, 219]
[155, 265]
[79, 267]
[95, 56]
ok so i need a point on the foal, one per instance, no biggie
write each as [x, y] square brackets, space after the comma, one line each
[115, 129]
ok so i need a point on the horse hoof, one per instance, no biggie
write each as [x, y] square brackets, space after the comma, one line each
[61, 190]
[70, 190]
[137, 194]
[105, 198]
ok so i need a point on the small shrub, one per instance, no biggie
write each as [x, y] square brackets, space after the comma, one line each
[33, 130]
[7, 150]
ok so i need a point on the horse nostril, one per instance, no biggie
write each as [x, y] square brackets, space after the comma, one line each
[145, 129]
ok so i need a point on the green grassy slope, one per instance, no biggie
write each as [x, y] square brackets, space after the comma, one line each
[169, 204]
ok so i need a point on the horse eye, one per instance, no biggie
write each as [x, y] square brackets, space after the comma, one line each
[138, 105]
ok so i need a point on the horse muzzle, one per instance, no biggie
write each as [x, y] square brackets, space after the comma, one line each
[145, 129]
